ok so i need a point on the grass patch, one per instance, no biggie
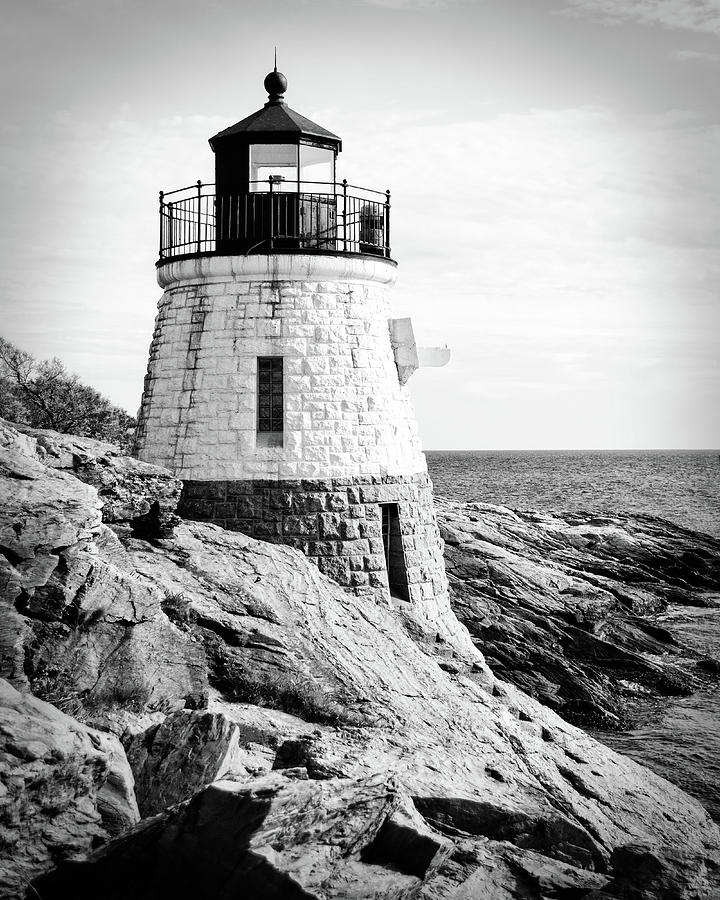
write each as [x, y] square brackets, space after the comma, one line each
[178, 609]
[291, 694]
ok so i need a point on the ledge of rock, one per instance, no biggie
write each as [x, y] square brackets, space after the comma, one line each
[559, 604]
[133, 492]
[271, 838]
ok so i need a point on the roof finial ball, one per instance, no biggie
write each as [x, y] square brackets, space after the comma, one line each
[275, 84]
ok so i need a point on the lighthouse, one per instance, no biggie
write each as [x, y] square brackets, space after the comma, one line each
[276, 386]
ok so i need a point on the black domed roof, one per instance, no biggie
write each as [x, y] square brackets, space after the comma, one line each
[277, 120]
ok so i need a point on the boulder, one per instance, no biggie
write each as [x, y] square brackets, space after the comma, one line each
[64, 788]
[190, 749]
[271, 838]
[130, 491]
[77, 627]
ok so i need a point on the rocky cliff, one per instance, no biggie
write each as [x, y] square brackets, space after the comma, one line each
[286, 738]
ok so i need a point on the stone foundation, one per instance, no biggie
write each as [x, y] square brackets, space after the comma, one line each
[337, 523]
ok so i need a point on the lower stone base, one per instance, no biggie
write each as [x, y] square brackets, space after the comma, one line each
[363, 532]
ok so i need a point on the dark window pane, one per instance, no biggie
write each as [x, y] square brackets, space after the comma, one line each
[270, 393]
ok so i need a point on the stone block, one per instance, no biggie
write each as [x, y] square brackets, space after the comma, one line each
[267, 529]
[317, 454]
[238, 489]
[414, 576]
[413, 557]
[225, 510]
[376, 545]
[349, 530]
[280, 499]
[196, 509]
[370, 529]
[316, 365]
[322, 548]
[359, 579]
[306, 502]
[378, 579]
[251, 506]
[329, 526]
[300, 525]
[337, 568]
[374, 563]
[336, 502]
[209, 490]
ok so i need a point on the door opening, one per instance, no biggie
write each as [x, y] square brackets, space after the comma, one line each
[394, 554]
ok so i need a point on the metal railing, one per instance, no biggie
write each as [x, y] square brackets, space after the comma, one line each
[275, 215]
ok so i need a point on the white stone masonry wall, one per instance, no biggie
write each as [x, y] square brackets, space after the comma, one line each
[345, 411]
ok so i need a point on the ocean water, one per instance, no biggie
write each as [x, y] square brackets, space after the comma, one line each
[681, 738]
[682, 486]
[681, 741]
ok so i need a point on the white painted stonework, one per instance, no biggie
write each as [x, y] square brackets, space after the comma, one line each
[346, 413]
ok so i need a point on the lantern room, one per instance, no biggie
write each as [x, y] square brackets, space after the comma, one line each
[275, 190]
[274, 145]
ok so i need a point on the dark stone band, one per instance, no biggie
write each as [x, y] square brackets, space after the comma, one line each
[338, 523]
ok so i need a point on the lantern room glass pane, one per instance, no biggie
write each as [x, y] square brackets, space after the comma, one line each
[276, 161]
[316, 164]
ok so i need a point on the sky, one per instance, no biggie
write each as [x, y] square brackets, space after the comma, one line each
[554, 167]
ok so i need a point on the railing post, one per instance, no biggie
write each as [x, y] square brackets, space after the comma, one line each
[171, 226]
[162, 205]
[387, 224]
[199, 202]
[272, 214]
[344, 184]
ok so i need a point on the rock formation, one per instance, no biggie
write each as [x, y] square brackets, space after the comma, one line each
[559, 604]
[64, 788]
[356, 760]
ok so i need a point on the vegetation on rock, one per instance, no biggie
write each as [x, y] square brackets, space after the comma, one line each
[43, 394]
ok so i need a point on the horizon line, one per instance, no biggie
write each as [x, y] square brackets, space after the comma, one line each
[575, 450]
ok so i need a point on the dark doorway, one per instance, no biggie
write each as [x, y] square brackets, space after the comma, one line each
[394, 554]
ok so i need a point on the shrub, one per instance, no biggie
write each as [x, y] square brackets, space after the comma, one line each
[42, 394]
[178, 609]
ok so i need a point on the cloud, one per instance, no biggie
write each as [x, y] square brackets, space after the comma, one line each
[696, 56]
[410, 5]
[692, 15]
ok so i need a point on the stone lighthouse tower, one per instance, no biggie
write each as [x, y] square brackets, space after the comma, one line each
[276, 382]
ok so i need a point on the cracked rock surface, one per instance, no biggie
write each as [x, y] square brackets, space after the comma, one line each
[559, 604]
[216, 656]
[273, 838]
[64, 788]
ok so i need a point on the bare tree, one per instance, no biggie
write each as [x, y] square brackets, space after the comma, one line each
[42, 394]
